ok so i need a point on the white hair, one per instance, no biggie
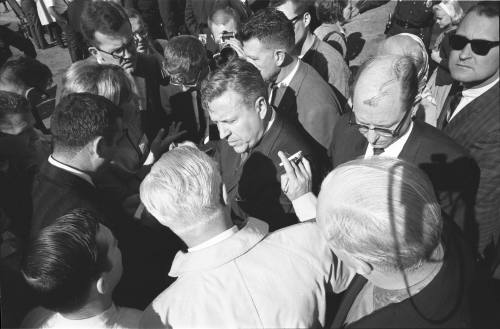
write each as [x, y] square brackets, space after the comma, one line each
[381, 210]
[183, 190]
[452, 8]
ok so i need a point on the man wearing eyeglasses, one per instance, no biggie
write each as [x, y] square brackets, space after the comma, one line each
[107, 29]
[471, 114]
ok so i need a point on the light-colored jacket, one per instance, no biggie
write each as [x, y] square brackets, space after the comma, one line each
[252, 280]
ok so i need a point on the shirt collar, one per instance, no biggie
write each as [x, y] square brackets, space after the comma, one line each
[395, 148]
[286, 81]
[216, 239]
[476, 92]
[72, 170]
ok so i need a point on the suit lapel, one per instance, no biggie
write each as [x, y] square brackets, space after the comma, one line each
[232, 165]
[410, 149]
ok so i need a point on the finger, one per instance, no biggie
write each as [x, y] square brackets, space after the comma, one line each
[159, 135]
[307, 167]
[286, 163]
[178, 126]
[284, 182]
[295, 169]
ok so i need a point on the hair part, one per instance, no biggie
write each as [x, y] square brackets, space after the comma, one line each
[183, 190]
[63, 261]
[394, 225]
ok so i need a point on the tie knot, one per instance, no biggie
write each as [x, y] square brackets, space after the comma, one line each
[378, 150]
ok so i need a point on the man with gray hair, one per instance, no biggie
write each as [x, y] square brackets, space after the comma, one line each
[230, 277]
[412, 271]
[380, 124]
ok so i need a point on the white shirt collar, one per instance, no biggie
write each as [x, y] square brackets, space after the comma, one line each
[216, 239]
[393, 150]
[72, 170]
[286, 81]
[468, 95]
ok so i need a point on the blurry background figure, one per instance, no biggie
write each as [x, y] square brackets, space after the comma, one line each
[172, 16]
[34, 26]
[415, 17]
[224, 23]
[47, 20]
[150, 13]
[140, 32]
[330, 16]
[10, 38]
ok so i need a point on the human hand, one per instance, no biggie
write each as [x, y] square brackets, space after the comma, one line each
[163, 139]
[237, 46]
[435, 56]
[297, 179]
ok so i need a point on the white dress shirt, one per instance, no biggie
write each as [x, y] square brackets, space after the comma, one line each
[71, 170]
[216, 239]
[468, 95]
[286, 81]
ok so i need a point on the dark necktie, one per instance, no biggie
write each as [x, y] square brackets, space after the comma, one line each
[454, 101]
[378, 150]
[273, 89]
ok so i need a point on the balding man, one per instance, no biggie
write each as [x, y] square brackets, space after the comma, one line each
[381, 124]
[386, 224]
[230, 277]
[471, 116]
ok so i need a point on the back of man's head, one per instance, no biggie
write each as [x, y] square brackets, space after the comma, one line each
[239, 76]
[382, 211]
[385, 70]
[81, 118]
[271, 27]
[15, 114]
[106, 17]
[65, 259]
[185, 55]
[20, 74]
[330, 11]
[183, 191]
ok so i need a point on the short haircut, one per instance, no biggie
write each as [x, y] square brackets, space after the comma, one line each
[110, 81]
[301, 6]
[381, 210]
[64, 259]
[106, 17]
[80, 118]
[271, 27]
[224, 14]
[489, 9]
[237, 75]
[11, 103]
[452, 8]
[183, 189]
[330, 11]
[185, 55]
[402, 70]
[26, 72]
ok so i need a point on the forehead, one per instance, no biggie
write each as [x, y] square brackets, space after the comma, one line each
[475, 26]
[136, 24]
[254, 47]
[289, 9]
[227, 106]
[115, 40]
[229, 25]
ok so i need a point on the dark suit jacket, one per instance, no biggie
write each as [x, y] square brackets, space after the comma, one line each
[254, 187]
[477, 128]
[453, 173]
[146, 251]
[310, 101]
[443, 303]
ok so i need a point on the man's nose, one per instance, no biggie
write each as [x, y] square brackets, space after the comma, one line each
[371, 136]
[466, 52]
[223, 132]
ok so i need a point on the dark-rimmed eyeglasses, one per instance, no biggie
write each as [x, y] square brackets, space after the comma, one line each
[380, 131]
[478, 46]
[120, 52]
[296, 19]
[180, 80]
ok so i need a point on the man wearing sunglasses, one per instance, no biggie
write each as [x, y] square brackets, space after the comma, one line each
[108, 31]
[471, 114]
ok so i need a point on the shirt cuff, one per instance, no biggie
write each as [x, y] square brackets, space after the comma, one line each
[149, 160]
[305, 206]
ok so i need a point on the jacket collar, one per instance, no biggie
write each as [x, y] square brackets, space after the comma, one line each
[221, 253]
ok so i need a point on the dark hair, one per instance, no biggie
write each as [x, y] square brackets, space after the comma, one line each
[404, 70]
[11, 103]
[106, 17]
[489, 9]
[61, 263]
[237, 75]
[185, 55]
[25, 72]
[80, 118]
[330, 11]
[271, 27]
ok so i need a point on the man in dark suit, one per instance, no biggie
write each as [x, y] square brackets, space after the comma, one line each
[86, 129]
[251, 134]
[381, 124]
[297, 91]
[413, 270]
[471, 116]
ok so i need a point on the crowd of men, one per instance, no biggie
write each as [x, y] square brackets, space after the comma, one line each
[237, 173]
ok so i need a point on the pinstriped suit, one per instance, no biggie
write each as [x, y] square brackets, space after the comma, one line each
[477, 128]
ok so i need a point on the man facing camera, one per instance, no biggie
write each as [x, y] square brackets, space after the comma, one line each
[73, 266]
[251, 135]
[230, 277]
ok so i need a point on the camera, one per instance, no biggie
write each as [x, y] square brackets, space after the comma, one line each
[226, 36]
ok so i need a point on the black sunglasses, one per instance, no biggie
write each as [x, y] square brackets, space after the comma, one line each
[478, 46]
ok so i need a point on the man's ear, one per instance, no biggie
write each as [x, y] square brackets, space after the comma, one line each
[102, 285]
[261, 107]
[361, 266]
[94, 52]
[279, 57]
[97, 147]
[225, 198]
[306, 19]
